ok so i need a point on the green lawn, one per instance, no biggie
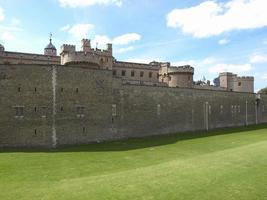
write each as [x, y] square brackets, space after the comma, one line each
[228, 164]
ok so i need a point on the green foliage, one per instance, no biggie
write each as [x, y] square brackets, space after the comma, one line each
[229, 164]
[263, 91]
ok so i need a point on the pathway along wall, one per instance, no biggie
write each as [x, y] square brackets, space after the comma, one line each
[49, 106]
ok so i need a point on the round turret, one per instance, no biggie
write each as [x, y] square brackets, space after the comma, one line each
[181, 76]
[50, 49]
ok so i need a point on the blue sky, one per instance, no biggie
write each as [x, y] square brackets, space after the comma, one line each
[212, 36]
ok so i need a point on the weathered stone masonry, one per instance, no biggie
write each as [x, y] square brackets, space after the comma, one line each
[53, 105]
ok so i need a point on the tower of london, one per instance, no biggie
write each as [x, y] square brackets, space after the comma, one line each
[82, 96]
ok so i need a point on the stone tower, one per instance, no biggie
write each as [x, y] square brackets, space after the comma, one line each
[50, 49]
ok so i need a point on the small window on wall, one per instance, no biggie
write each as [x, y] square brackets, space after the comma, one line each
[114, 72]
[150, 74]
[80, 111]
[141, 74]
[43, 111]
[19, 111]
[239, 83]
[123, 72]
[19, 89]
[132, 73]
[221, 109]
[114, 110]
[189, 78]
[158, 109]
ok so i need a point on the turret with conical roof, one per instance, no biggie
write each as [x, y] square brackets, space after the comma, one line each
[50, 49]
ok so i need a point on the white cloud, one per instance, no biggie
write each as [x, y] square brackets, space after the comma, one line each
[78, 30]
[218, 68]
[2, 16]
[223, 41]
[124, 50]
[15, 22]
[8, 36]
[126, 39]
[85, 3]
[258, 58]
[65, 28]
[101, 41]
[213, 18]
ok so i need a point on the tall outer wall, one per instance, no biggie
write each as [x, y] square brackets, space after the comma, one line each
[111, 110]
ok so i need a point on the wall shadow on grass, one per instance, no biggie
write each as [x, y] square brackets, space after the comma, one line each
[137, 143]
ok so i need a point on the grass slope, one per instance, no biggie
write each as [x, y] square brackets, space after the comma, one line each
[222, 166]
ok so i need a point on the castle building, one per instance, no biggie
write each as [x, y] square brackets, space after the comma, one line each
[154, 73]
[232, 82]
[86, 95]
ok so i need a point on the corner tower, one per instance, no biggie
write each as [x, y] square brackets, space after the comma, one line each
[50, 49]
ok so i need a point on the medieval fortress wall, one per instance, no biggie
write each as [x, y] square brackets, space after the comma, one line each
[81, 102]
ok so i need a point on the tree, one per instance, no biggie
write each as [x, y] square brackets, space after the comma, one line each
[263, 91]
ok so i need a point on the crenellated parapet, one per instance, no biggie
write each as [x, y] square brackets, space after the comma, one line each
[181, 69]
[245, 78]
[68, 48]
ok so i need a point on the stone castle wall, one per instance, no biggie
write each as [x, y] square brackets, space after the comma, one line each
[44, 105]
[7, 57]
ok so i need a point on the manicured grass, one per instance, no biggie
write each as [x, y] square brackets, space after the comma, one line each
[229, 164]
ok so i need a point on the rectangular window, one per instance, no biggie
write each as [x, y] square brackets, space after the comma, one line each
[43, 111]
[114, 110]
[239, 83]
[80, 110]
[158, 109]
[141, 74]
[150, 74]
[132, 73]
[19, 111]
[221, 109]
[114, 72]
[123, 72]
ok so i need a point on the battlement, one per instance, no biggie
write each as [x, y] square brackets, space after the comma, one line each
[68, 48]
[245, 78]
[135, 65]
[181, 69]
